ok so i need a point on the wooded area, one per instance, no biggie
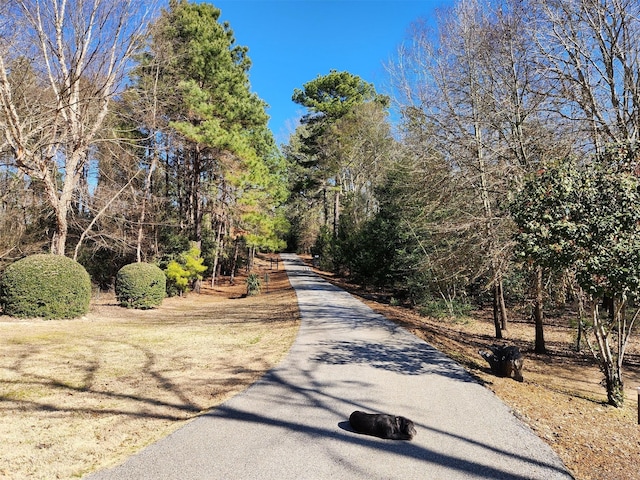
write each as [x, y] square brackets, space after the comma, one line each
[510, 179]
[128, 135]
[466, 204]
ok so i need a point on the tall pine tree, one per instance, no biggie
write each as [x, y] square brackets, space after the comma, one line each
[222, 168]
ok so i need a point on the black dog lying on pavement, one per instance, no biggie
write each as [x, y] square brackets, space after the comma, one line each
[382, 425]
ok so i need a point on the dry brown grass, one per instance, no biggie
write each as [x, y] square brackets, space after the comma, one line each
[78, 395]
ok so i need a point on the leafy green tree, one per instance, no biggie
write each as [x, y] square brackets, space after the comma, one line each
[333, 95]
[545, 239]
[328, 98]
[178, 278]
[415, 248]
[306, 210]
[359, 148]
[223, 172]
[379, 252]
[207, 101]
[588, 219]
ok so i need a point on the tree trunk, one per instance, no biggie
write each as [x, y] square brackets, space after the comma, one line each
[336, 213]
[499, 308]
[146, 194]
[538, 318]
[217, 254]
[143, 212]
[251, 251]
[578, 294]
[61, 208]
[496, 315]
[580, 332]
[59, 239]
[195, 196]
[252, 258]
[504, 321]
[154, 163]
[615, 389]
[325, 205]
[234, 265]
[606, 361]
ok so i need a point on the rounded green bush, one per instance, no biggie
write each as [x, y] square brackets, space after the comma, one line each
[45, 286]
[140, 285]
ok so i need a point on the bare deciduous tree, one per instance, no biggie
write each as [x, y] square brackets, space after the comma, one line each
[78, 53]
[590, 49]
[446, 78]
[478, 85]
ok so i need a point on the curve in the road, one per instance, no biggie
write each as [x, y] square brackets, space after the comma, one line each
[293, 423]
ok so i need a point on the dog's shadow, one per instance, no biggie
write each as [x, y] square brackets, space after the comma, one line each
[346, 426]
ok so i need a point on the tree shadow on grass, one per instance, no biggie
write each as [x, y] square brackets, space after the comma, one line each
[137, 405]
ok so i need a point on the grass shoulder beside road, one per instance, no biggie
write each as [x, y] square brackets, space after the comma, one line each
[80, 395]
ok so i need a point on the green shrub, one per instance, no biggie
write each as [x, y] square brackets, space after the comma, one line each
[442, 309]
[253, 284]
[183, 273]
[45, 286]
[177, 279]
[140, 285]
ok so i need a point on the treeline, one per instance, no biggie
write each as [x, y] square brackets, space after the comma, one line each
[130, 134]
[513, 176]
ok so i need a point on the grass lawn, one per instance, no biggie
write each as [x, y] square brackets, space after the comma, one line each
[79, 395]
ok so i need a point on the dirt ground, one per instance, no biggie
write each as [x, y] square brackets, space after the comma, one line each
[561, 397]
[79, 395]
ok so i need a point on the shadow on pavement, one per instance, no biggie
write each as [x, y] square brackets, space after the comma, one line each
[408, 359]
[406, 449]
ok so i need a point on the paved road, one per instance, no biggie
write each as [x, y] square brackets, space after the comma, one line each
[293, 423]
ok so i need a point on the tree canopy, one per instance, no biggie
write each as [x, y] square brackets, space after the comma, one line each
[331, 96]
[169, 146]
[586, 220]
[338, 152]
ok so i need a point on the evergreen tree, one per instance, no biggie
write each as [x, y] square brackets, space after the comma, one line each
[333, 150]
[586, 219]
[222, 167]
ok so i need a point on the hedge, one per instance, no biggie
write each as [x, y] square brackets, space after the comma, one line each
[45, 286]
[140, 285]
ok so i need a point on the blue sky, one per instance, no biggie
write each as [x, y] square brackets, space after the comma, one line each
[293, 41]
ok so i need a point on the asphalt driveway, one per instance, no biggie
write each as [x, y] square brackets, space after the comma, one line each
[293, 423]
